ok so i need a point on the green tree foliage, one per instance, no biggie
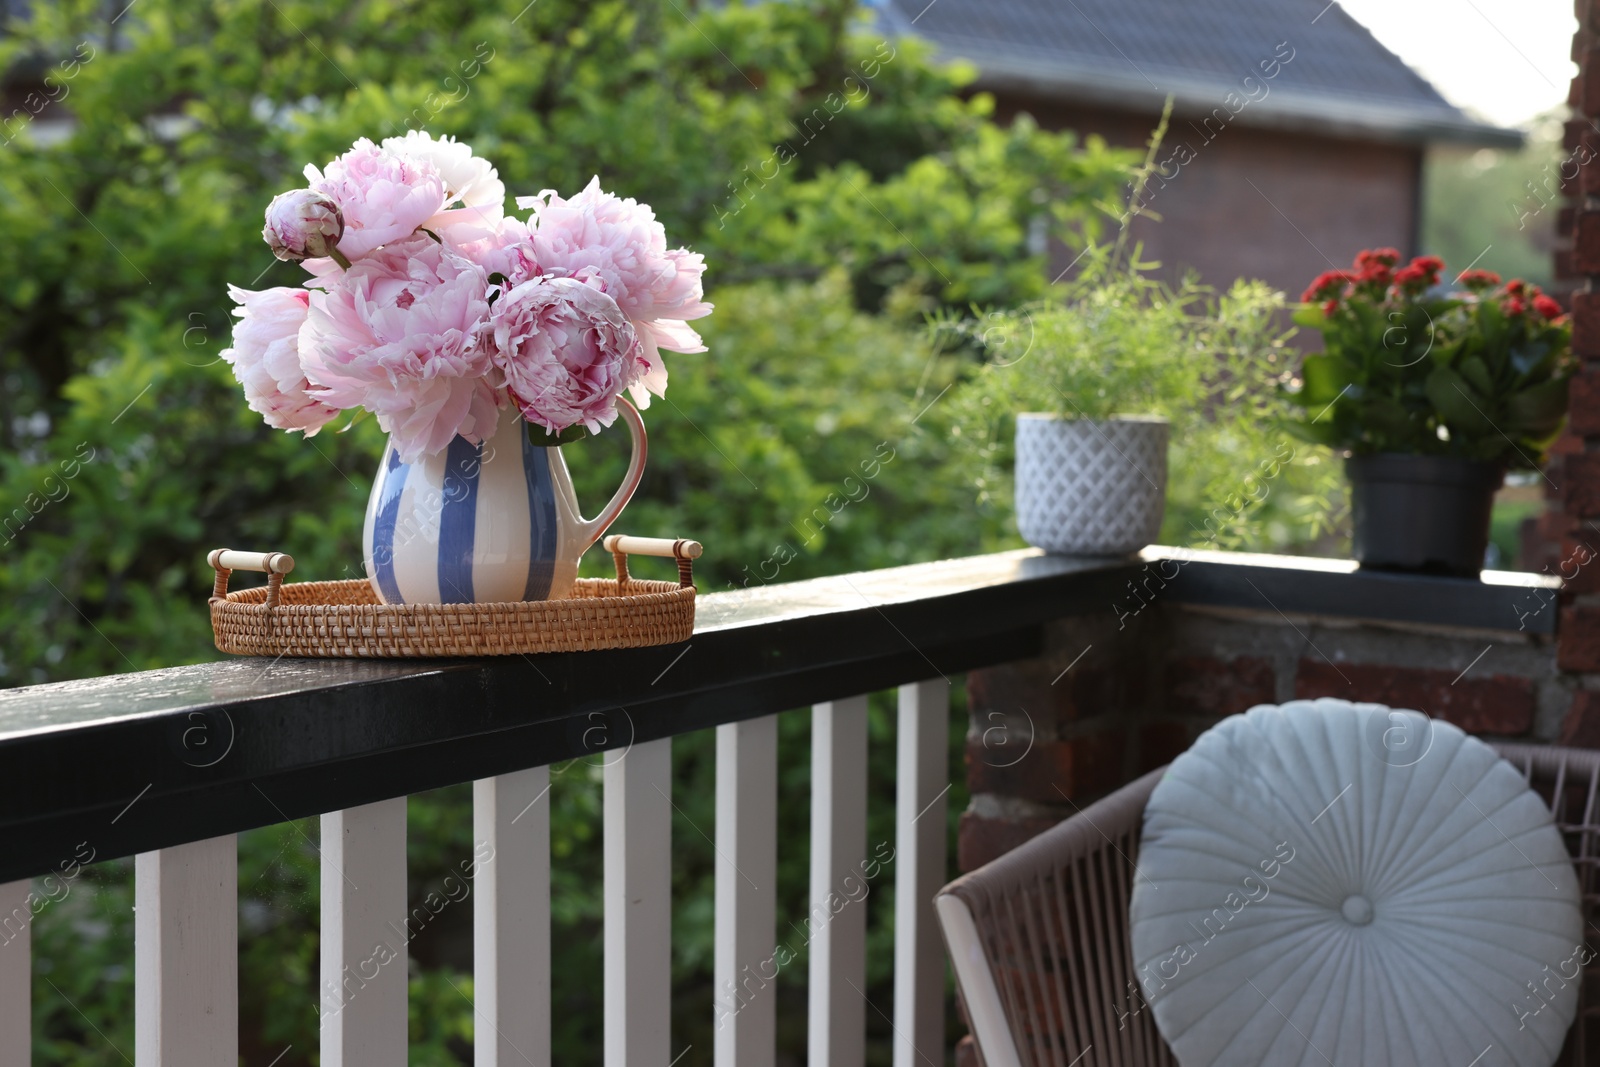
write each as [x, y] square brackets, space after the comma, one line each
[840, 188]
[1496, 209]
[112, 307]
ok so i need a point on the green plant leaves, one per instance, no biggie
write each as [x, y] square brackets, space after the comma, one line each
[1537, 411]
[1324, 378]
[1459, 407]
[539, 437]
[1436, 377]
[1476, 374]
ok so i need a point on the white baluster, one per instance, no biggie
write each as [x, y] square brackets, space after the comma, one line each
[364, 936]
[837, 1023]
[16, 973]
[638, 905]
[511, 919]
[745, 989]
[186, 955]
[922, 781]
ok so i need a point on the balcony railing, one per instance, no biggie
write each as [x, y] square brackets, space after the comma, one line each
[169, 765]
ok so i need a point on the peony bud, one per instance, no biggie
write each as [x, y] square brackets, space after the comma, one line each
[303, 224]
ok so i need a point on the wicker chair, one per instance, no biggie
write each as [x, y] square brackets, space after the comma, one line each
[1039, 937]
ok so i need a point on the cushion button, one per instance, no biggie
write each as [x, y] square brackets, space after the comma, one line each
[1357, 909]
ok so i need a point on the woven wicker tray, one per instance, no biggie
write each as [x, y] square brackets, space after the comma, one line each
[345, 618]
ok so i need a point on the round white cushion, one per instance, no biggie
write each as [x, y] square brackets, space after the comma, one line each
[1327, 883]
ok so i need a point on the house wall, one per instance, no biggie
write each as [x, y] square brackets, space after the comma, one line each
[1251, 202]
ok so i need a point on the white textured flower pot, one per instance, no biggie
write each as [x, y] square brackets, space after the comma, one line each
[1089, 487]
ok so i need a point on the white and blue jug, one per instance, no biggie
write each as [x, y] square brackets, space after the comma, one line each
[481, 524]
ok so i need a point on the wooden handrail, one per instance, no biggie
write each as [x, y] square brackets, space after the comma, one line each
[199, 745]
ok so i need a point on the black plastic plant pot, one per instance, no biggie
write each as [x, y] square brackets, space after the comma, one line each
[1428, 514]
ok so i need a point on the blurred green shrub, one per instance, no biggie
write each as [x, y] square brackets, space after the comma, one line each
[837, 182]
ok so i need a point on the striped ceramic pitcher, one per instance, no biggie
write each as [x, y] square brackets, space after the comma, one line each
[484, 524]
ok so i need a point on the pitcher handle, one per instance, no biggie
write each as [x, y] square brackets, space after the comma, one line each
[593, 528]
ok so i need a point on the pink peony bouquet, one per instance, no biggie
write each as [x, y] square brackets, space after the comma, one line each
[432, 309]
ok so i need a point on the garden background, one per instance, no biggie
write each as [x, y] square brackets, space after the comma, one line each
[845, 192]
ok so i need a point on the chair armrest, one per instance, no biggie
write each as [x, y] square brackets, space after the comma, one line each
[1038, 939]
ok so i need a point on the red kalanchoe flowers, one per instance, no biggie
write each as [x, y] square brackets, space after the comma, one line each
[1414, 277]
[1326, 284]
[1422, 273]
[1380, 369]
[1430, 264]
[1372, 257]
[1377, 274]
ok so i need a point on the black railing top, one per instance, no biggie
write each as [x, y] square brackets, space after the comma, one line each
[134, 762]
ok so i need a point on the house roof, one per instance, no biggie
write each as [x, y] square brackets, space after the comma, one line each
[1129, 54]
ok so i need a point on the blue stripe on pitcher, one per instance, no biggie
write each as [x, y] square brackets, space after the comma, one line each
[458, 519]
[383, 531]
[458, 524]
[543, 531]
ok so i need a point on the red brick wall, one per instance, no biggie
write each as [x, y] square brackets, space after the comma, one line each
[1255, 202]
[1106, 704]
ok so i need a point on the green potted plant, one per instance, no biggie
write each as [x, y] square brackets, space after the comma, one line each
[1432, 396]
[1097, 379]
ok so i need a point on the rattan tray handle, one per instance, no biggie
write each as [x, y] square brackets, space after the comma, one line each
[225, 561]
[621, 546]
[276, 564]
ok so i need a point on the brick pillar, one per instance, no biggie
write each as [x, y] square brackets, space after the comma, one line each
[1548, 540]
[1575, 468]
[1052, 735]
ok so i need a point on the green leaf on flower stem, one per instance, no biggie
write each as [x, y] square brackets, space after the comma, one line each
[539, 437]
[1493, 325]
[1445, 349]
[1386, 417]
[1476, 373]
[1531, 357]
[1454, 400]
[1318, 433]
[1325, 377]
[1309, 315]
[1537, 411]
[356, 416]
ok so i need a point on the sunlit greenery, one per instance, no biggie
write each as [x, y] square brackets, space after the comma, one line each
[1496, 209]
[842, 189]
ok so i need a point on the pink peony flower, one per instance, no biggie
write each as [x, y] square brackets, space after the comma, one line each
[618, 244]
[401, 333]
[475, 198]
[302, 223]
[565, 349]
[507, 252]
[621, 242]
[384, 196]
[266, 359]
